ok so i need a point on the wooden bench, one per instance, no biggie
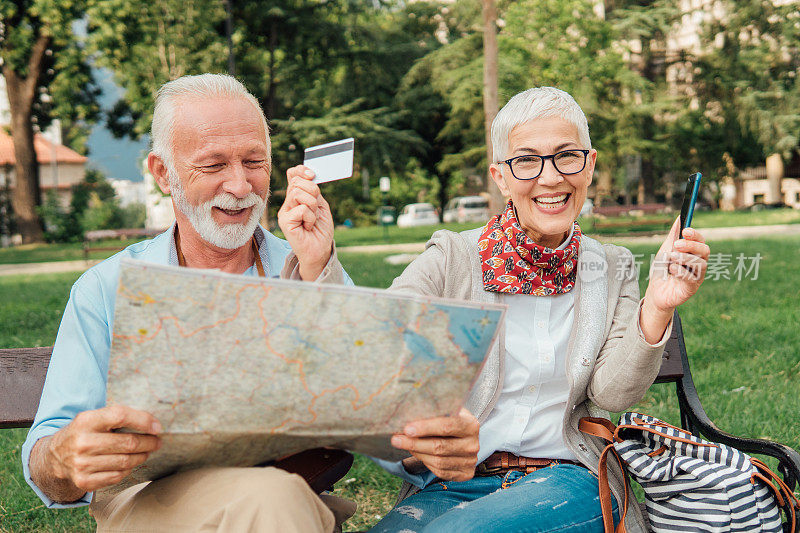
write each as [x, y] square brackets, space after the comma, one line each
[659, 216]
[111, 234]
[22, 373]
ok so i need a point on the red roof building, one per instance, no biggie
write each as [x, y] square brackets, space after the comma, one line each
[45, 150]
[60, 167]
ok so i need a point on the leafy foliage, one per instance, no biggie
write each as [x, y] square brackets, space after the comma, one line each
[405, 79]
[66, 89]
[93, 206]
[46, 76]
[320, 81]
[146, 44]
[750, 78]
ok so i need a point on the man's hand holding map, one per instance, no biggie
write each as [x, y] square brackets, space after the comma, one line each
[240, 371]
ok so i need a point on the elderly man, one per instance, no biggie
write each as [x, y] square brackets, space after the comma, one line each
[211, 152]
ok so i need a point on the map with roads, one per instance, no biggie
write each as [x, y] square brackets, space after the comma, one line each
[242, 370]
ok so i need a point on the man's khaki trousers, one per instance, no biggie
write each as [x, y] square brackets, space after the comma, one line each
[221, 499]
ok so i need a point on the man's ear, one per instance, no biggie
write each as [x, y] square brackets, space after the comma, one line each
[497, 175]
[159, 171]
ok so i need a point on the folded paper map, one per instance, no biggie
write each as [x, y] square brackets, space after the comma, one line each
[243, 370]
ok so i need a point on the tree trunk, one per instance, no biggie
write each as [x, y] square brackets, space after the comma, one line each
[490, 102]
[774, 177]
[21, 94]
[26, 195]
[648, 179]
[26, 190]
[604, 185]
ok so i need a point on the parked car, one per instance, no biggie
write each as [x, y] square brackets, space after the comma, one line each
[761, 206]
[467, 209]
[417, 215]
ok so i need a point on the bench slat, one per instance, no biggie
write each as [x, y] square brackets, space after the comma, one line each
[22, 373]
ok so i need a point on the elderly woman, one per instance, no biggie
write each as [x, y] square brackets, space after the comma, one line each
[577, 340]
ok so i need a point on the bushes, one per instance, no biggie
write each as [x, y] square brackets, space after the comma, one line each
[94, 205]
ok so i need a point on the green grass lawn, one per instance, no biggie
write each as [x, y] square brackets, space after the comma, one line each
[36, 253]
[42, 253]
[741, 336]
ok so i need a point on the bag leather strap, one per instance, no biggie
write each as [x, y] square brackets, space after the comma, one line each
[606, 430]
[787, 501]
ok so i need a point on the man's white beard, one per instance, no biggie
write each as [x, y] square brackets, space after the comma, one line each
[227, 236]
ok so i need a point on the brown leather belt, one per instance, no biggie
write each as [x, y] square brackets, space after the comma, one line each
[500, 463]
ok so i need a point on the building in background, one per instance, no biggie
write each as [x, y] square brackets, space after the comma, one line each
[59, 167]
[675, 53]
[753, 187]
[129, 192]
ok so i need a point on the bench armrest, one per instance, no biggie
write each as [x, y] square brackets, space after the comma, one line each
[695, 420]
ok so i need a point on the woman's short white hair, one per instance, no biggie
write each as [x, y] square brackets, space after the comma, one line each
[538, 102]
[202, 86]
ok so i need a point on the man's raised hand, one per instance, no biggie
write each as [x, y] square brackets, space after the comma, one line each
[306, 221]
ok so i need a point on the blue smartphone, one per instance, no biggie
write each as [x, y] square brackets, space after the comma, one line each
[689, 201]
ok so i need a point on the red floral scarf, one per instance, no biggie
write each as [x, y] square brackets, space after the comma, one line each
[514, 264]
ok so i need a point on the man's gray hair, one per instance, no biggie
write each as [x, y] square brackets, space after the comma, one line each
[538, 102]
[202, 86]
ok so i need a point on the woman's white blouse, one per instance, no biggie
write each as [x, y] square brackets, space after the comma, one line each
[528, 417]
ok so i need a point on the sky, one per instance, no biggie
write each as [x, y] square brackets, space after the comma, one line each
[117, 158]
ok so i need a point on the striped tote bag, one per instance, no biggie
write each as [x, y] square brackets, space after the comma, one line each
[690, 484]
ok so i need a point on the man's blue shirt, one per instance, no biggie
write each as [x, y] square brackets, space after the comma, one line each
[76, 377]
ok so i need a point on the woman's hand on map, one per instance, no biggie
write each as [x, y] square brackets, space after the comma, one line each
[447, 446]
[306, 221]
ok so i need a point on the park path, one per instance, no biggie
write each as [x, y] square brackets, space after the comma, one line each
[710, 234]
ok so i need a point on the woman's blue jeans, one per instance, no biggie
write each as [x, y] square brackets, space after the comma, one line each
[562, 497]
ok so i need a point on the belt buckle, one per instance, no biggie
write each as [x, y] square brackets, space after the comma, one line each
[483, 470]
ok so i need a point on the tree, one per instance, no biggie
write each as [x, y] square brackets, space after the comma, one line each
[749, 80]
[532, 51]
[46, 75]
[443, 97]
[490, 105]
[146, 44]
[643, 27]
[379, 146]
[337, 78]
[93, 205]
[589, 65]
[316, 82]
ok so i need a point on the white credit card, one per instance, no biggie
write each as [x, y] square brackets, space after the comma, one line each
[331, 161]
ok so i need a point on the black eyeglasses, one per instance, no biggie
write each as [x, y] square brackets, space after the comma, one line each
[528, 167]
